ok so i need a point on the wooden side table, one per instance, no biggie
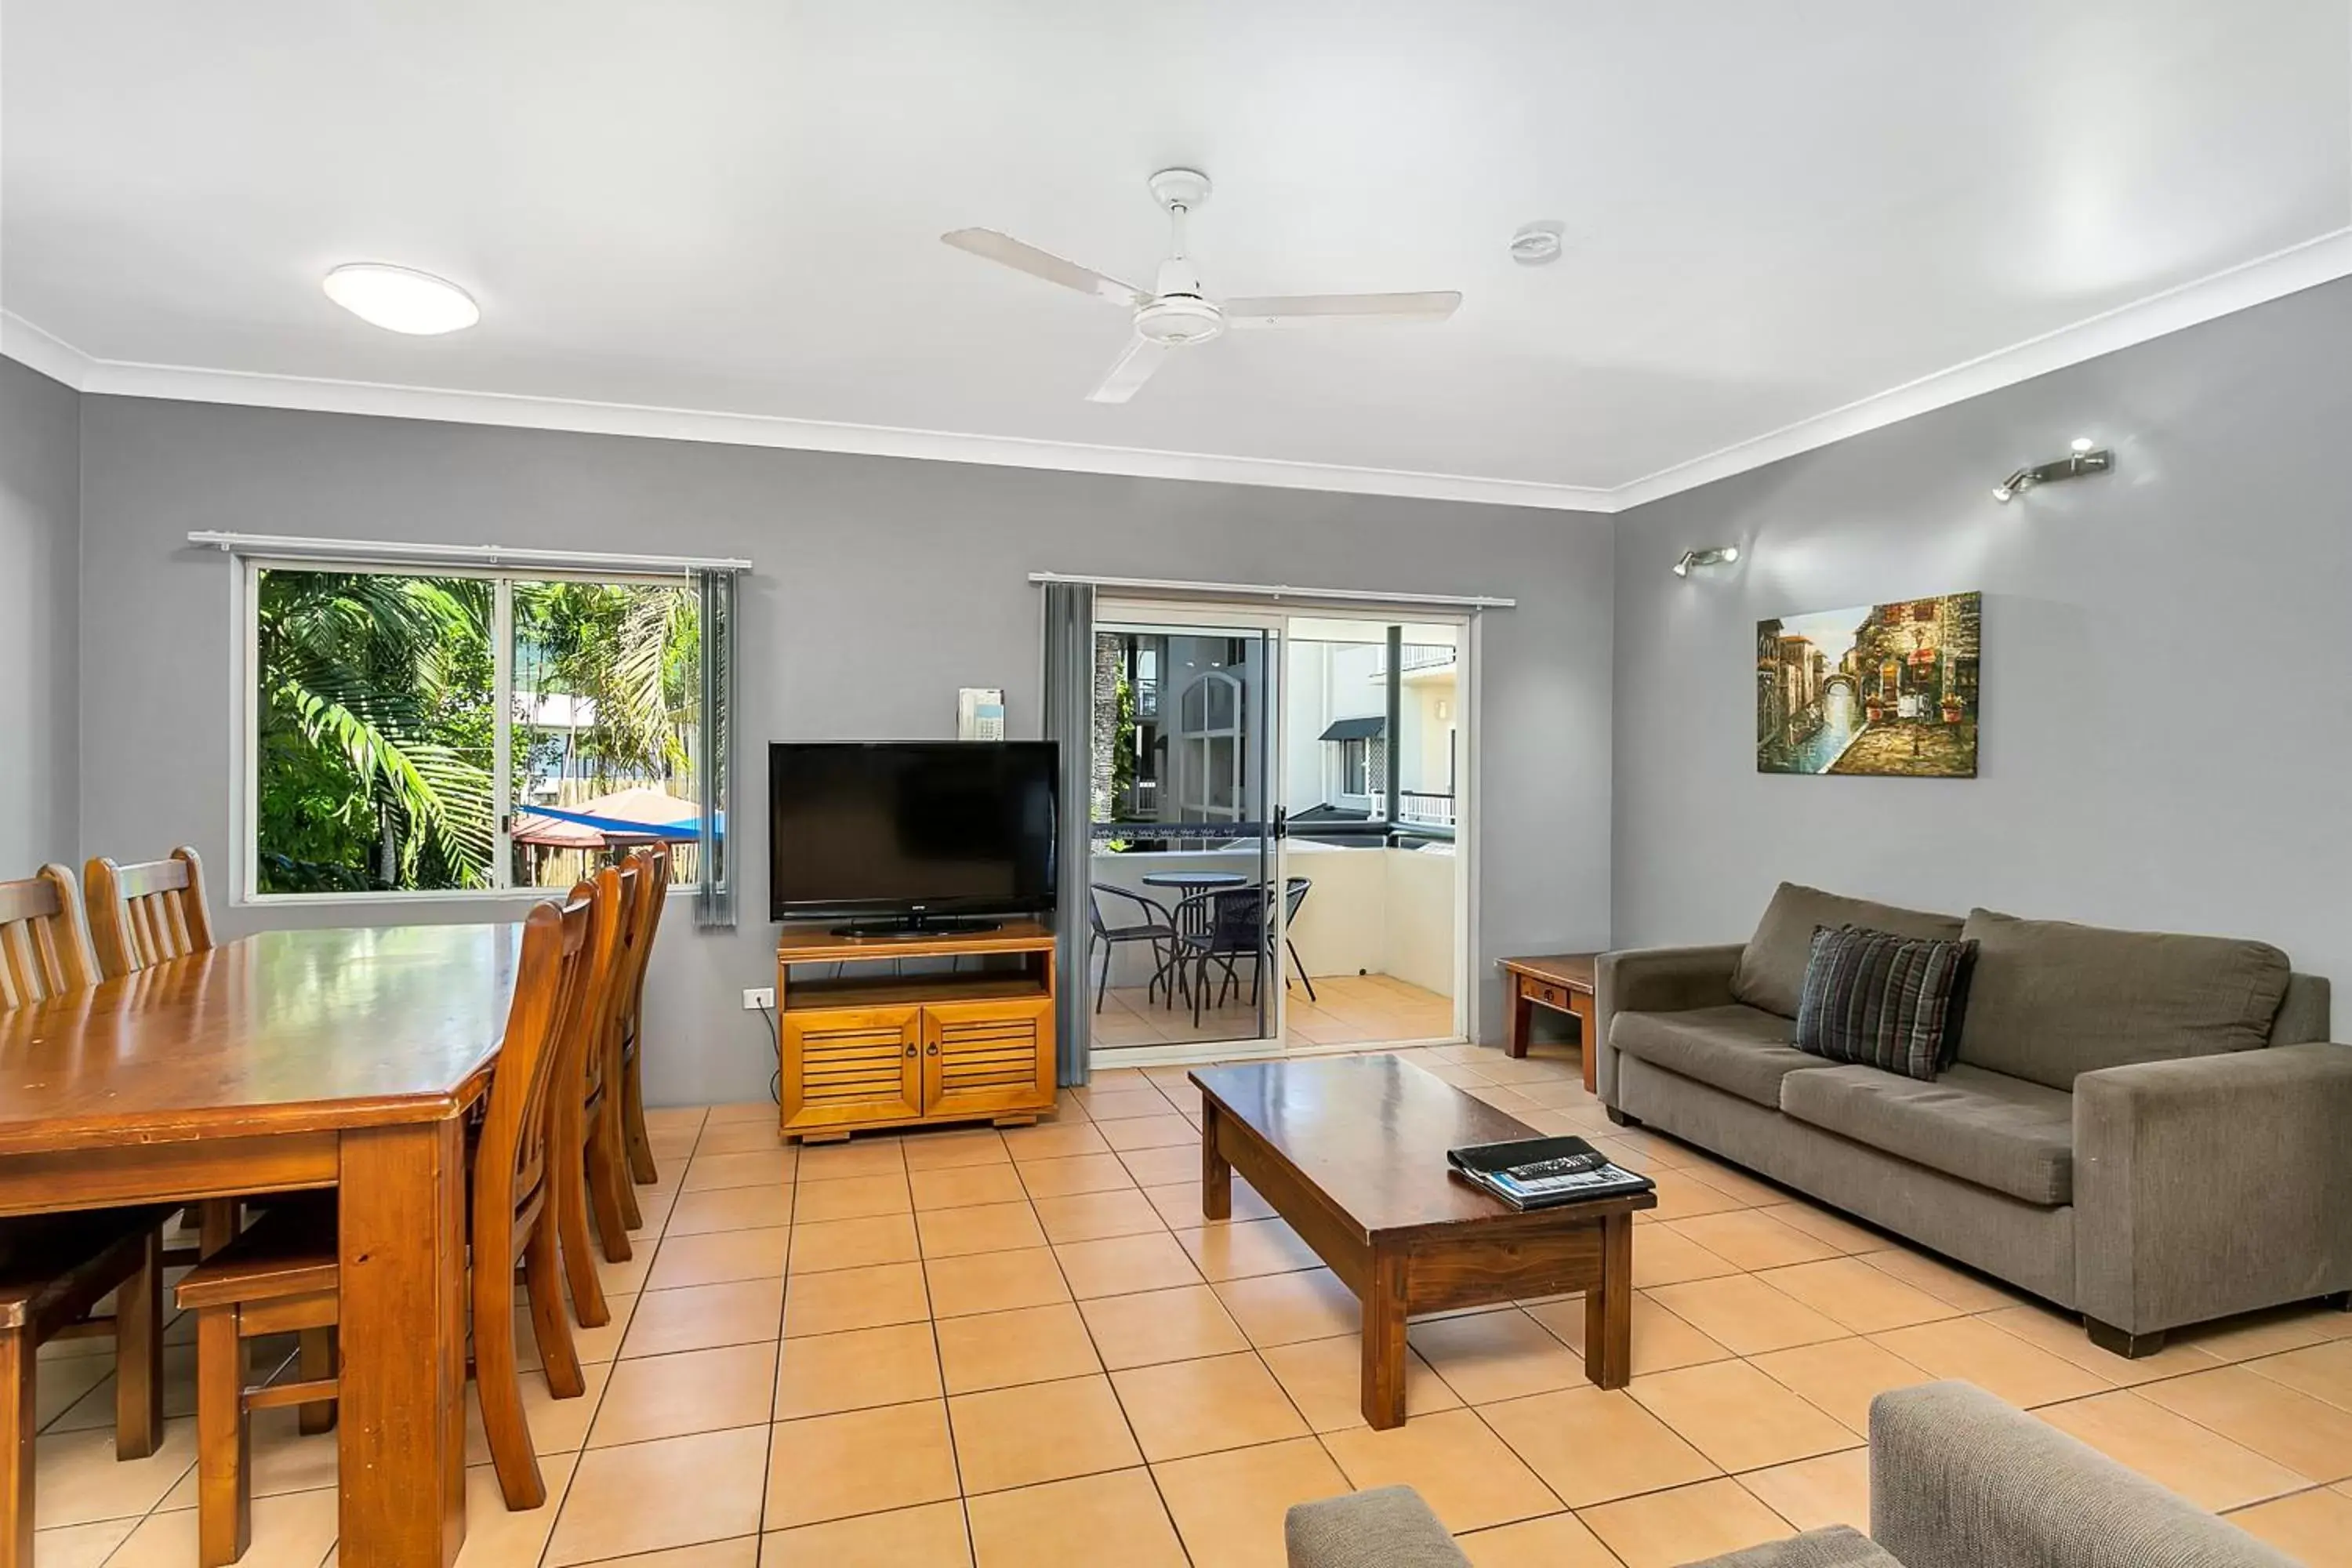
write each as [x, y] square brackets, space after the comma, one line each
[1560, 981]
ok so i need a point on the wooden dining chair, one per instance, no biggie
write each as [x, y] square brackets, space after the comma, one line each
[654, 864]
[55, 1271]
[590, 1178]
[45, 949]
[282, 1273]
[143, 914]
[139, 917]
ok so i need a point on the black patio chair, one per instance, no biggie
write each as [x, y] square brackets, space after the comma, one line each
[1223, 926]
[1157, 926]
[1294, 893]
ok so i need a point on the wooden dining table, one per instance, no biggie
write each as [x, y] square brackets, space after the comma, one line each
[290, 1060]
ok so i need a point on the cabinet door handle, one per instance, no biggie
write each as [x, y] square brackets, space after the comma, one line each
[932, 1049]
[910, 1050]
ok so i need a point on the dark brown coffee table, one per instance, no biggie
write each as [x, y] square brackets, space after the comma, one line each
[1351, 1152]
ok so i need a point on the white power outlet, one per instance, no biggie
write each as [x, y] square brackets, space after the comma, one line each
[759, 997]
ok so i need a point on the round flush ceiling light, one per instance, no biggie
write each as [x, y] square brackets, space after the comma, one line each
[401, 299]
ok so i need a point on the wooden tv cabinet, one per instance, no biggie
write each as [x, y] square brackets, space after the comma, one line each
[866, 1047]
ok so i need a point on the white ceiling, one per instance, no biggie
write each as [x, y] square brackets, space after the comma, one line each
[1773, 210]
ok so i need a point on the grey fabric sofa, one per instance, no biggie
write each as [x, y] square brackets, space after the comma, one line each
[1957, 1479]
[2147, 1129]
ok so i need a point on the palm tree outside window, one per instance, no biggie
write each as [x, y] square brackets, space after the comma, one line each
[395, 749]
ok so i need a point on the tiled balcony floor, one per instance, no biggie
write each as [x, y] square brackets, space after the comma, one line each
[1025, 1350]
[1347, 1010]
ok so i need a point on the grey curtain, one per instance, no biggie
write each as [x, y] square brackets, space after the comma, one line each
[1069, 719]
[714, 899]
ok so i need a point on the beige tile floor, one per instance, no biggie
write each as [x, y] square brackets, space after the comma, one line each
[1347, 1010]
[1027, 1348]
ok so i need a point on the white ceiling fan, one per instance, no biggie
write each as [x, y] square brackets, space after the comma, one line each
[1176, 312]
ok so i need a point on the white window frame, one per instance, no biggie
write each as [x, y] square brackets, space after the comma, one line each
[245, 723]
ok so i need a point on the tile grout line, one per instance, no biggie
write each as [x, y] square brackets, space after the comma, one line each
[580, 1456]
[776, 1375]
[1095, 1346]
[939, 1362]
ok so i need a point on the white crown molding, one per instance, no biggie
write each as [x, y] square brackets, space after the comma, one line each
[2314, 261]
[2300, 266]
[29, 346]
[119, 378]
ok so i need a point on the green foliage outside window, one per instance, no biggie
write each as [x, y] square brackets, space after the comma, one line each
[377, 716]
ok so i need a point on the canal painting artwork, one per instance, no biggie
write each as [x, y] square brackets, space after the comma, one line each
[1884, 689]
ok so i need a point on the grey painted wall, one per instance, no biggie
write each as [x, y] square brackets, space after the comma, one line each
[882, 585]
[40, 504]
[2167, 726]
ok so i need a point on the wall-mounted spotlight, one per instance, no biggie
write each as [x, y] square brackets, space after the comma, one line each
[2083, 459]
[1722, 555]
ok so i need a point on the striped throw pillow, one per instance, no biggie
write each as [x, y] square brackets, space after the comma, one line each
[1888, 1001]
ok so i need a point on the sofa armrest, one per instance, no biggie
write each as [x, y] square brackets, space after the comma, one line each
[1959, 1479]
[1389, 1527]
[2208, 1186]
[1653, 980]
[1832, 1546]
[2302, 1012]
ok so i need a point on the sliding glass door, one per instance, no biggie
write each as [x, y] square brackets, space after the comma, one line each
[1184, 908]
[1375, 731]
[1279, 810]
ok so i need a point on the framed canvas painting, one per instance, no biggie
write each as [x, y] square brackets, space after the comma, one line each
[1880, 690]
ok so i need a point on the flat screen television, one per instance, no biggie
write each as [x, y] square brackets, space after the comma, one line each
[911, 833]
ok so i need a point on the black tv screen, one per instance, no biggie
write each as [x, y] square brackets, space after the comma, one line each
[910, 828]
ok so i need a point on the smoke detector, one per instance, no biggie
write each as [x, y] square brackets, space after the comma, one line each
[1537, 243]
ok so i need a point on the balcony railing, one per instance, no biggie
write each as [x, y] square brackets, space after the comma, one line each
[1421, 656]
[1422, 808]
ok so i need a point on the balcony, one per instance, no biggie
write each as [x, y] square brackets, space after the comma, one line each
[1375, 932]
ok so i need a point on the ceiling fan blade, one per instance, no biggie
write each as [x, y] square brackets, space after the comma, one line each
[1011, 252]
[1306, 310]
[1134, 368]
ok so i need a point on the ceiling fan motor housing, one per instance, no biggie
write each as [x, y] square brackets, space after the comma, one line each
[1175, 319]
[1178, 311]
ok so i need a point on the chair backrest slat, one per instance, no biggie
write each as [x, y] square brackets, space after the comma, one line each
[551, 988]
[653, 897]
[143, 914]
[152, 877]
[596, 1049]
[44, 948]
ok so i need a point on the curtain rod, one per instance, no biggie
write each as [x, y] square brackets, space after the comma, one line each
[380, 550]
[1280, 591]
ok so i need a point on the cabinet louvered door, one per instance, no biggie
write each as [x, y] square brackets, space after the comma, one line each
[988, 1058]
[852, 1066]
